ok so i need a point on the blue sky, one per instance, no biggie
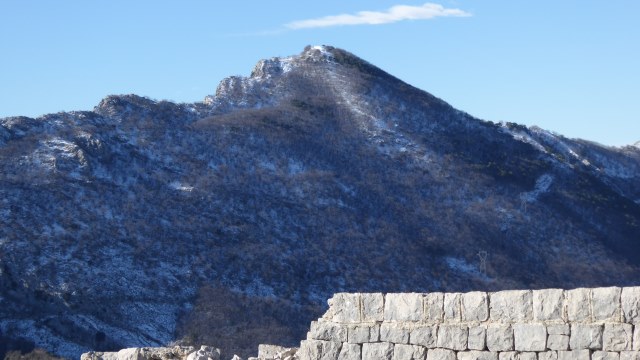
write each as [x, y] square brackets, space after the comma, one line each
[568, 66]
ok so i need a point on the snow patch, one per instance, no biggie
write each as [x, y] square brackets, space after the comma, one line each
[543, 183]
[177, 185]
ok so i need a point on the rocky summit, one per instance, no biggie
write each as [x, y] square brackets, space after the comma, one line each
[230, 221]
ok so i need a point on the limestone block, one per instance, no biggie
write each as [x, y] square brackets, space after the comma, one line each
[350, 352]
[344, 308]
[499, 337]
[403, 307]
[434, 307]
[605, 355]
[372, 307]
[394, 333]
[586, 336]
[530, 337]
[558, 342]
[440, 354]
[377, 351]
[318, 350]
[629, 355]
[636, 337]
[617, 337]
[452, 337]
[508, 355]
[548, 355]
[605, 304]
[424, 335]
[574, 355]
[477, 355]
[547, 304]
[409, 352]
[328, 331]
[452, 304]
[475, 306]
[511, 306]
[528, 356]
[266, 351]
[360, 334]
[630, 299]
[578, 304]
[477, 338]
[558, 329]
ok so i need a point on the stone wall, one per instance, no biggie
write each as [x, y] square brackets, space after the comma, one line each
[552, 324]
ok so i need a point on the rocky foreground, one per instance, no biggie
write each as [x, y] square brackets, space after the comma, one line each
[265, 352]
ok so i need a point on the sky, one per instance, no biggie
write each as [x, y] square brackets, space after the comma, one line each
[571, 66]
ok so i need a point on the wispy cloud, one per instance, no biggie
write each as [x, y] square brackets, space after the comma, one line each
[393, 14]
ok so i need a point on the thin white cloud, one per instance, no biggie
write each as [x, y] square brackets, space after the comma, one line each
[393, 14]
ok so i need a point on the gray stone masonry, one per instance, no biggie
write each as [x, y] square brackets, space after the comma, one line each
[605, 304]
[440, 354]
[434, 307]
[372, 307]
[396, 334]
[452, 337]
[499, 337]
[475, 306]
[574, 355]
[629, 355]
[578, 305]
[477, 355]
[630, 301]
[511, 306]
[559, 329]
[409, 352]
[636, 338]
[605, 355]
[324, 330]
[403, 307]
[530, 337]
[558, 342]
[617, 337]
[477, 338]
[350, 352]
[452, 307]
[360, 334]
[548, 355]
[548, 304]
[377, 351]
[424, 336]
[514, 355]
[586, 336]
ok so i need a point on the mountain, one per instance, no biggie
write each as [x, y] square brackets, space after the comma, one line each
[231, 221]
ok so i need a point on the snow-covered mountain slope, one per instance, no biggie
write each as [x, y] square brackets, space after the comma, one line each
[230, 221]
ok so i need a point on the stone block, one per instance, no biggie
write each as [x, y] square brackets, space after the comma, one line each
[452, 337]
[528, 356]
[558, 342]
[511, 306]
[477, 338]
[394, 333]
[499, 337]
[360, 334]
[424, 335]
[515, 355]
[605, 304]
[530, 337]
[475, 306]
[630, 301]
[548, 355]
[350, 352]
[548, 304]
[605, 355]
[434, 307]
[617, 337]
[559, 329]
[629, 355]
[578, 304]
[586, 336]
[403, 307]
[344, 308]
[328, 331]
[477, 355]
[636, 337]
[409, 352]
[318, 350]
[377, 351]
[440, 354]
[452, 307]
[372, 307]
[574, 355]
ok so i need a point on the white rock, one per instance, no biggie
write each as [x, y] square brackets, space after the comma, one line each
[477, 355]
[324, 330]
[499, 337]
[344, 308]
[511, 306]
[475, 306]
[236, 357]
[440, 354]
[360, 334]
[636, 338]
[394, 333]
[547, 304]
[423, 335]
[267, 351]
[452, 337]
[629, 355]
[403, 307]
[434, 307]
[515, 355]
[558, 329]
[617, 337]
[586, 336]
[605, 355]
[574, 355]
[318, 350]
[372, 307]
[477, 338]
[578, 305]
[350, 352]
[530, 337]
[452, 307]
[131, 354]
[605, 304]
[548, 355]
[377, 351]
[630, 299]
[409, 352]
[558, 342]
